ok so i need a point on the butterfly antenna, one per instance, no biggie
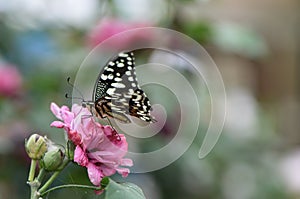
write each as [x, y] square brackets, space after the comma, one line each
[67, 96]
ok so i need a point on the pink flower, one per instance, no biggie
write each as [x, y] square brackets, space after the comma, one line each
[10, 80]
[98, 148]
[110, 27]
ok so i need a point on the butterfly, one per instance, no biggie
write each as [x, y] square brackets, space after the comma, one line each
[117, 93]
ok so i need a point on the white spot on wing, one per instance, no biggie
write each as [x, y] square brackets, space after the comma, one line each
[110, 69]
[103, 77]
[123, 55]
[128, 73]
[110, 91]
[127, 96]
[110, 76]
[120, 65]
[115, 108]
[131, 91]
[118, 85]
[130, 79]
[138, 98]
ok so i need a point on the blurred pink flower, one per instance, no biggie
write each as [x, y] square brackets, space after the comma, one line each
[10, 80]
[109, 27]
[98, 148]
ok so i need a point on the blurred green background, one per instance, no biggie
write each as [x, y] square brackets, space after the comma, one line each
[255, 44]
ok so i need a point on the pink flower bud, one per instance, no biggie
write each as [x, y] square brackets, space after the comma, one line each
[10, 80]
[110, 27]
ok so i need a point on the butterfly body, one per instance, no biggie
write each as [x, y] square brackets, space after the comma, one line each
[117, 93]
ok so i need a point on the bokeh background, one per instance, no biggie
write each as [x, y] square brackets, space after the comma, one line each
[255, 45]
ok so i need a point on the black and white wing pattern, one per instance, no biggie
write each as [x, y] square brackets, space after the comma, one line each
[117, 92]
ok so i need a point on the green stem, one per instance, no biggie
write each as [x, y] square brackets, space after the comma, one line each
[41, 175]
[70, 186]
[49, 182]
[34, 187]
[35, 184]
[32, 170]
[52, 178]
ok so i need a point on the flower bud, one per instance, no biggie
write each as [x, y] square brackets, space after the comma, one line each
[36, 146]
[53, 158]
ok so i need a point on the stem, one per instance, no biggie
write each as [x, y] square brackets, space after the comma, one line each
[41, 175]
[35, 184]
[32, 170]
[70, 186]
[52, 178]
[49, 182]
[34, 187]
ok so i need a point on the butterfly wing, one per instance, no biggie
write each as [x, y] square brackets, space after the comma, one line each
[117, 92]
[105, 108]
[139, 106]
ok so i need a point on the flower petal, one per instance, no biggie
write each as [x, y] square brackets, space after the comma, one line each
[65, 108]
[55, 110]
[80, 157]
[98, 148]
[67, 116]
[126, 162]
[98, 192]
[95, 174]
[108, 170]
[77, 109]
[123, 171]
[74, 137]
[57, 124]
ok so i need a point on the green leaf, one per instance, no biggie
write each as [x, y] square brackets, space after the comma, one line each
[116, 190]
[104, 182]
